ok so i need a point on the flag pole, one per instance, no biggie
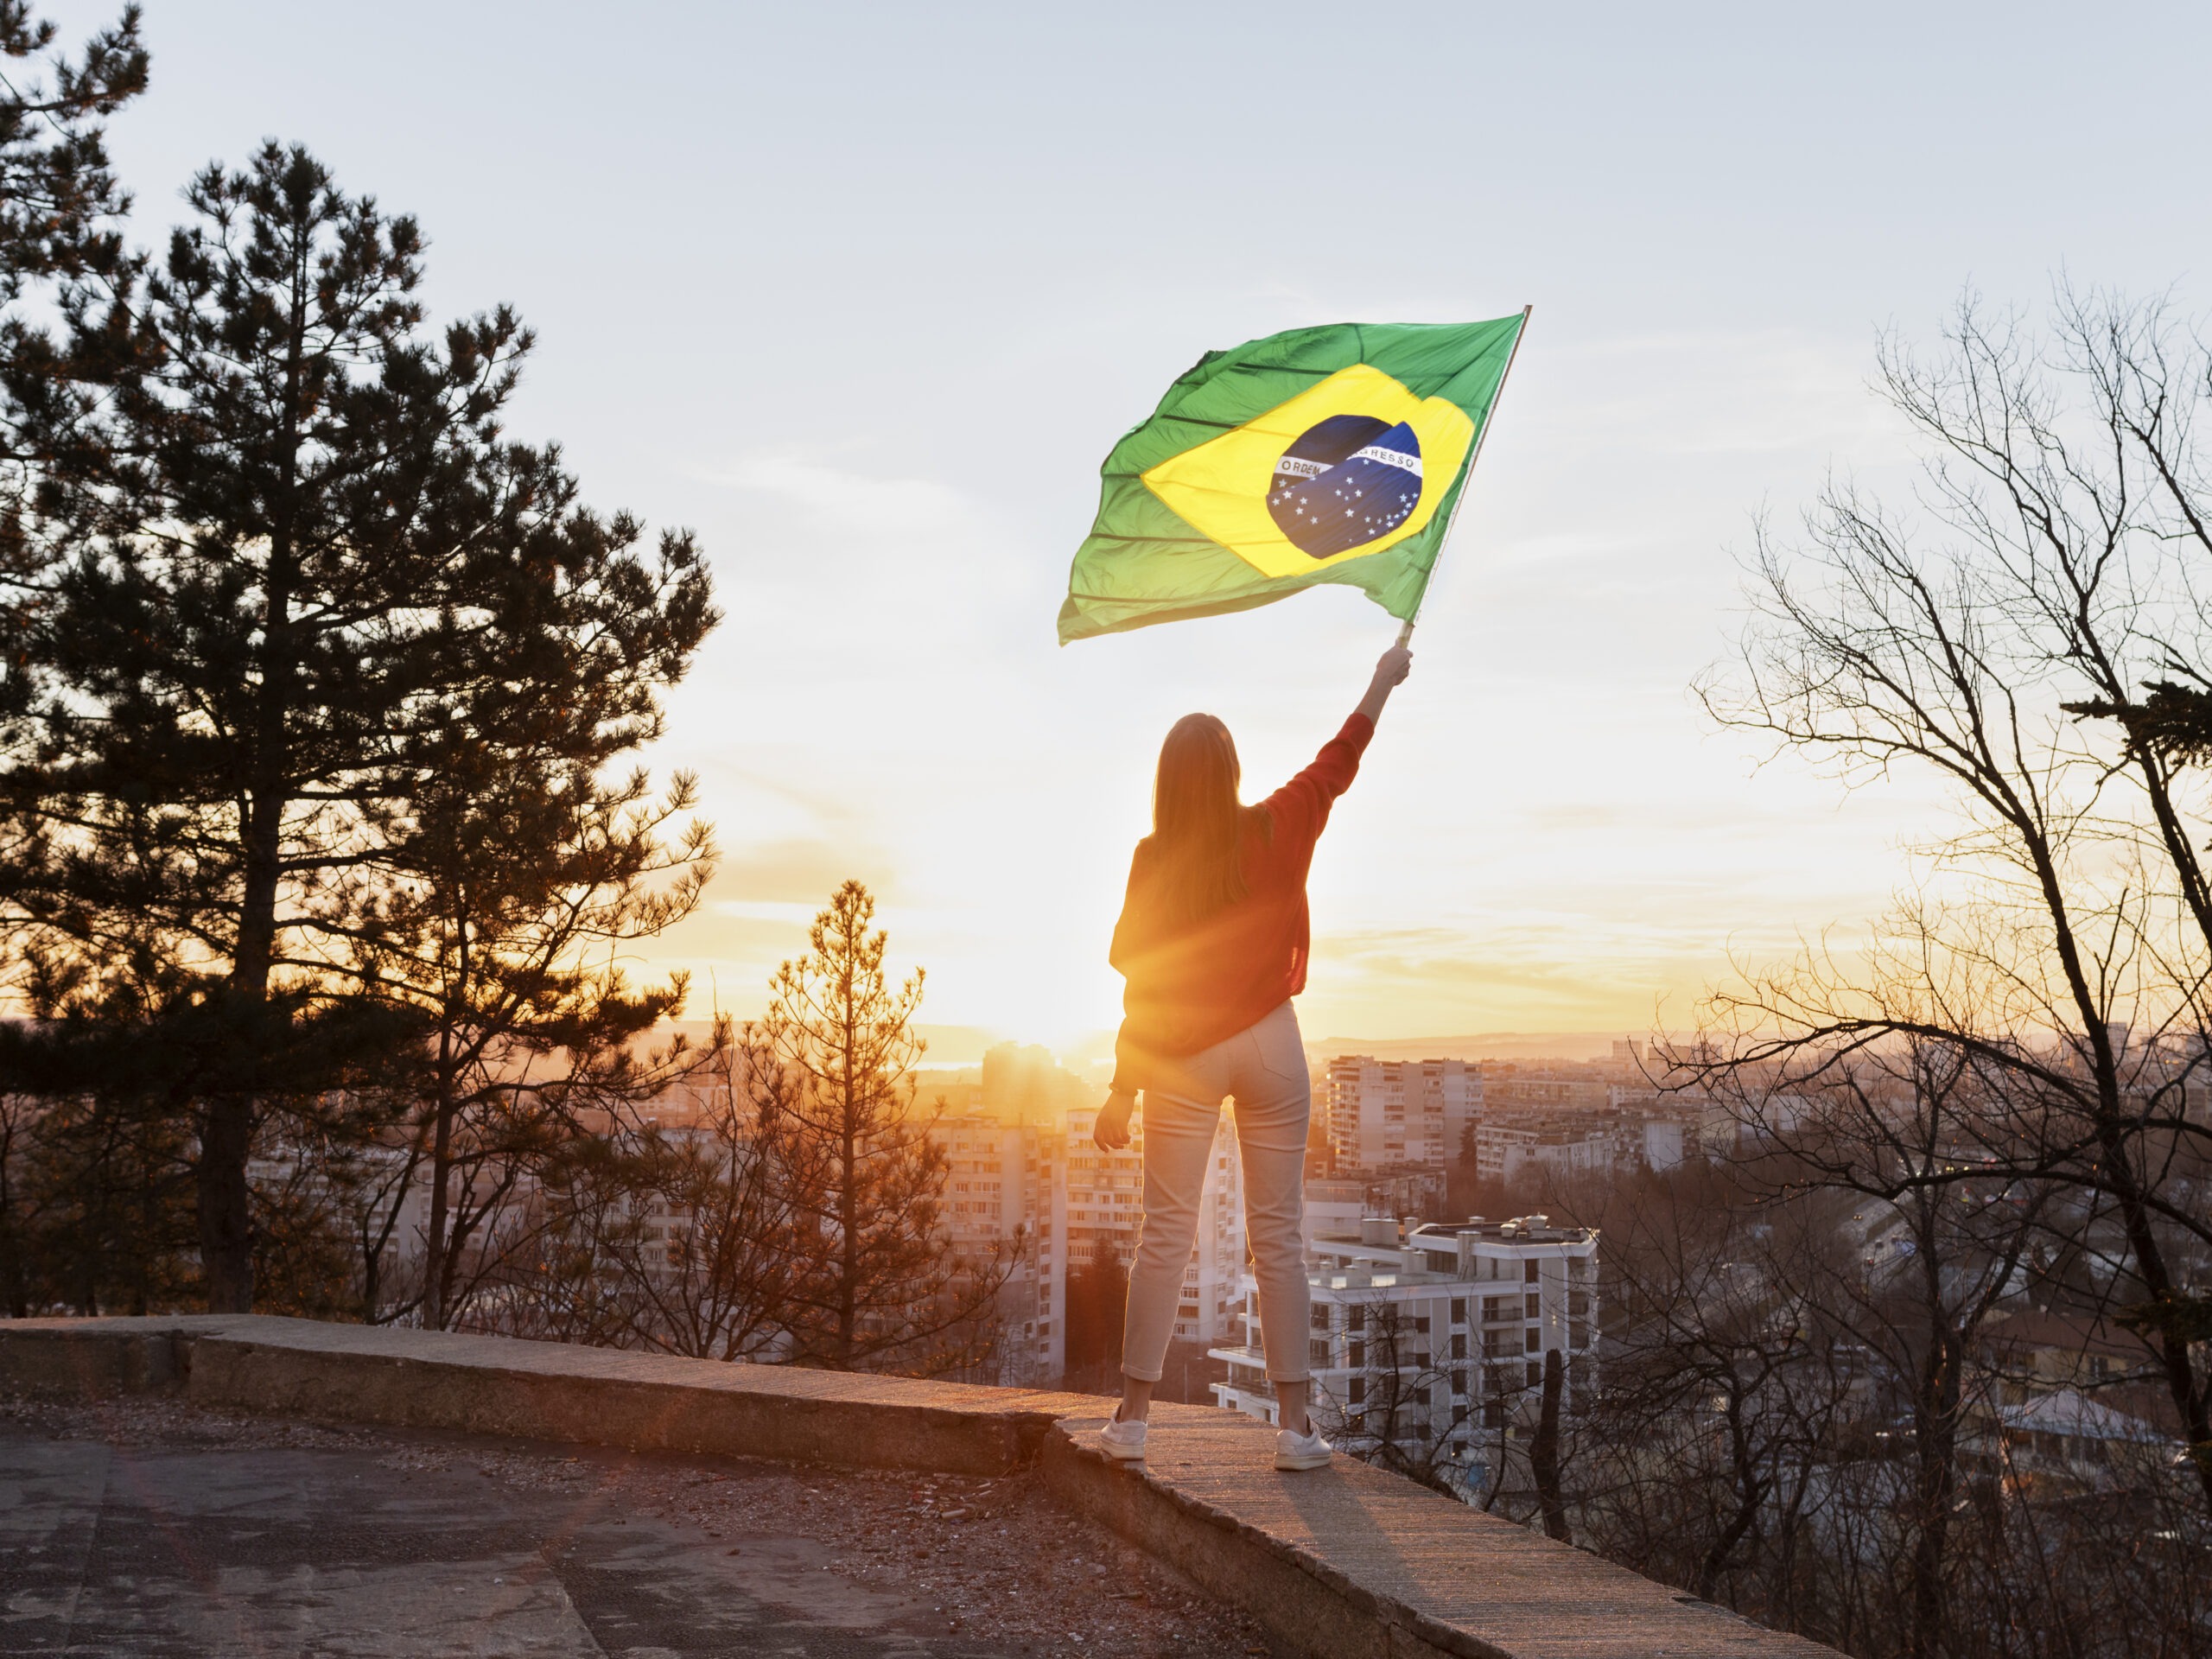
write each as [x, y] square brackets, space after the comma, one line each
[1406, 632]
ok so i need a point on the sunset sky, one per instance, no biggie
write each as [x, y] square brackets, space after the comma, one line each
[863, 294]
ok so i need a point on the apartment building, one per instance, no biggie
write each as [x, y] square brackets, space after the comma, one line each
[1646, 1131]
[1462, 1313]
[1098, 1201]
[1689, 1121]
[1333, 1209]
[1386, 1113]
[1515, 1089]
[1506, 1151]
[998, 1205]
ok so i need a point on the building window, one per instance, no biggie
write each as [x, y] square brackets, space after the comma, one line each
[1459, 1383]
[1320, 1316]
[1458, 1346]
[1458, 1310]
[1529, 1271]
[1358, 1355]
[1358, 1319]
[1358, 1390]
[1532, 1343]
[1420, 1324]
[1535, 1308]
[1317, 1353]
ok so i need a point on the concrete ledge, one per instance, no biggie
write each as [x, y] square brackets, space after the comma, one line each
[1344, 1563]
[543, 1391]
[1351, 1562]
[88, 1359]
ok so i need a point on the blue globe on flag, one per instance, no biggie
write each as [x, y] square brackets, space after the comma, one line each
[1347, 480]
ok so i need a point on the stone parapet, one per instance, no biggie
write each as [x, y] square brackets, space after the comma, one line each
[1353, 1562]
[408, 1378]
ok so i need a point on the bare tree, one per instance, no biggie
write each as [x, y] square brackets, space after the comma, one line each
[1724, 1391]
[730, 1199]
[2060, 941]
[1402, 1413]
[1943, 1231]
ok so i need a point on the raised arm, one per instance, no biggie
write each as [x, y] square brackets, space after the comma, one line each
[1390, 671]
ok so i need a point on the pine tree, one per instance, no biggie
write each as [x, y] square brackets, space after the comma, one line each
[58, 199]
[300, 557]
[884, 1288]
[61, 252]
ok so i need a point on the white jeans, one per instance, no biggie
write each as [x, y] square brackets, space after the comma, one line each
[1264, 1067]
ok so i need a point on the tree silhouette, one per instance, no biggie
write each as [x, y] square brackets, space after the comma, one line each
[1097, 1298]
[2058, 945]
[886, 1290]
[300, 567]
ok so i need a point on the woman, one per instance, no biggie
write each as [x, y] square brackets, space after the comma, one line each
[1213, 941]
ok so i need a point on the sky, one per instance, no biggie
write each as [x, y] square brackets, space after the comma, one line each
[863, 294]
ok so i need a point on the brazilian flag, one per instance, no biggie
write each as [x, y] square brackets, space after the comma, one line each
[1322, 455]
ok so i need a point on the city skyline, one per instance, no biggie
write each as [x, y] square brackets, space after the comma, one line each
[1546, 835]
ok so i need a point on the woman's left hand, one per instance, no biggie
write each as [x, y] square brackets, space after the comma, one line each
[1111, 1132]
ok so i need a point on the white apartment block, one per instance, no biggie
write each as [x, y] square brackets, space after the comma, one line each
[1333, 1209]
[1504, 1151]
[1470, 1310]
[998, 1197]
[1098, 1203]
[1385, 1113]
[1625, 1139]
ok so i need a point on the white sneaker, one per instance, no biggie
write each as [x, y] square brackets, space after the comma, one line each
[1124, 1441]
[1307, 1451]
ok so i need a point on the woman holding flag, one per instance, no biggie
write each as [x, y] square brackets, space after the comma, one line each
[1213, 941]
[1337, 454]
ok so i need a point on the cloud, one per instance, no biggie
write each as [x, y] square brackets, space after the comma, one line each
[849, 503]
[802, 870]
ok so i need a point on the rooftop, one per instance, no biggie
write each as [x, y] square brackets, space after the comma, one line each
[1349, 1562]
[1387, 1233]
[1519, 1229]
[2065, 1412]
[2073, 1333]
